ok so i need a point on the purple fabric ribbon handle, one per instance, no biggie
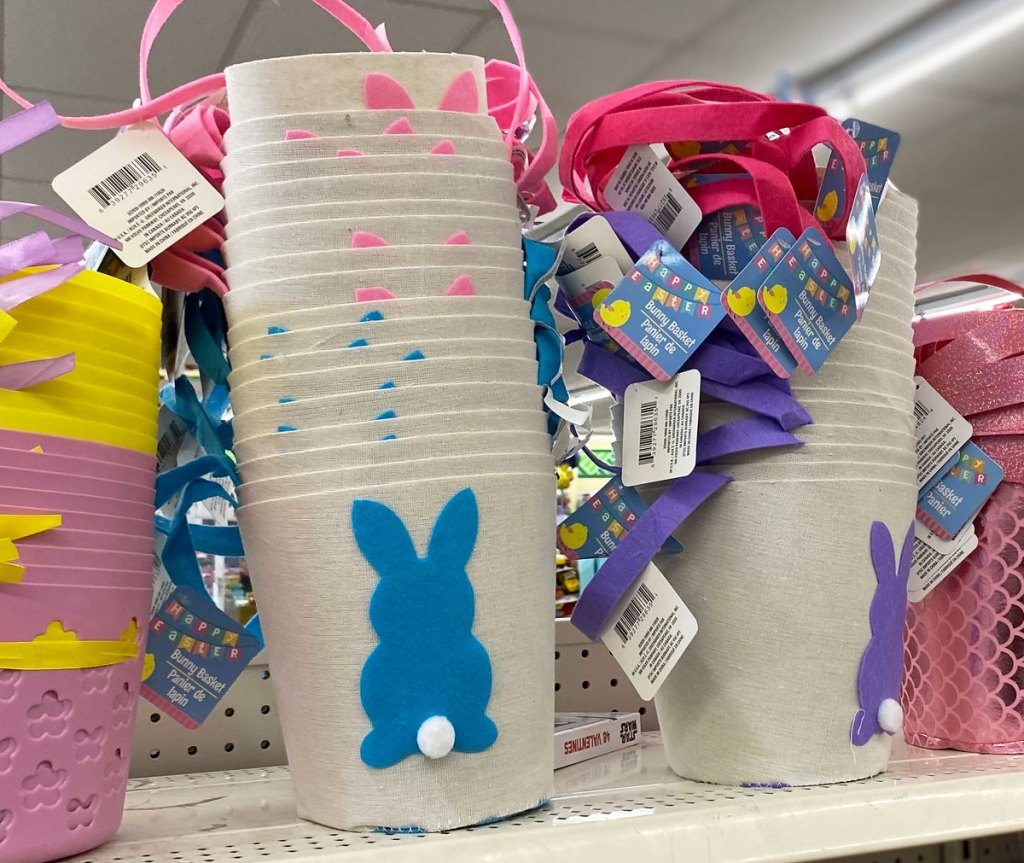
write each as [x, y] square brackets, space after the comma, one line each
[606, 369]
[70, 223]
[727, 366]
[25, 125]
[742, 436]
[20, 376]
[639, 547]
[763, 398]
[636, 234]
[18, 291]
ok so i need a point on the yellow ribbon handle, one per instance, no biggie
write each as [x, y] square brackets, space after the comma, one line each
[58, 649]
[14, 527]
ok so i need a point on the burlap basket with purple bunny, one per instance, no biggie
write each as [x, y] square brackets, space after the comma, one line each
[795, 511]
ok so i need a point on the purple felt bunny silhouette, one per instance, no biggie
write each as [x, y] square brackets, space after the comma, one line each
[426, 685]
[881, 666]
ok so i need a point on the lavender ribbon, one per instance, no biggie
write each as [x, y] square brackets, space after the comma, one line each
[70, 223]
[20, 376]
[25, 125]
[17, 291]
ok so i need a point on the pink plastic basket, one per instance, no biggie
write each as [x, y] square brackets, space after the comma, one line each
[964, 683]
[66, 736]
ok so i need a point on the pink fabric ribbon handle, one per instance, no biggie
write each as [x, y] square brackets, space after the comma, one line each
[20, 376]
[767, 188]
[662, 112]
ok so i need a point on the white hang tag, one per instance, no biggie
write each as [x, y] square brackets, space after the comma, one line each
[140, 189]
[642, 184]
[592, 241]
[651, 628]
[930, 567]
[941, 431]
[659, 433]
[942, 546]
[576, 283]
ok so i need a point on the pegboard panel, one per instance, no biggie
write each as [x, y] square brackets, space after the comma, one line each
[587, 678]
[924, 854]
[242, 732]
[1008, 848]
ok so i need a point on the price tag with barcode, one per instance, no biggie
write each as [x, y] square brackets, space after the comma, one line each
[141, 190]
[650, 629]
[659, 434]
[591, 242]
[940, 430]
[642, 184]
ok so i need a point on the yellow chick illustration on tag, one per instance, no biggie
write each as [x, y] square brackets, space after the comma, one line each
[148, 666]
[573, 535]
[741, 301]
[600, 294]
[775, 299]
[829, 206]
[616, 314]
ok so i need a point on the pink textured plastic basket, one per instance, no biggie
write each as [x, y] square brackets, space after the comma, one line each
[66, 736]
[964, 683]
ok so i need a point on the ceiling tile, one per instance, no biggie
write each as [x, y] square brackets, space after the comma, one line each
[46, 156]
[97, 45]
[755, 47]
[651, 20]
[996, 70]
[564, 64]
[290, 27]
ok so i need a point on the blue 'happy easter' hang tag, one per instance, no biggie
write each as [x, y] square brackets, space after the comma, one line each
[740, 303]
[954, 497]
[808, 298]
[725, 241]
[599, 525]
[862, 240]
[878, 146]
[661, 311]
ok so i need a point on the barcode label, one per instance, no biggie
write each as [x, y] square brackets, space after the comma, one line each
[588, 253]
[124, 178]
[641, 184]
[648, 421]
[666, 214]
[920, 412]
[652, 628]
[637, 609]
[149, 197]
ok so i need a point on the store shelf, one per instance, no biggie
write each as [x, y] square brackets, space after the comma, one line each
[625, 806]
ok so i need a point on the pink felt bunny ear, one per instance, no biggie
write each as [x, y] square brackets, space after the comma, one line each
[381, 92]
[461, 287]
[343, 153]
[367, 240]
[298, 134]
[461, 95]
[459, 239]
[369, 295]
[401, 126]
[444, 148]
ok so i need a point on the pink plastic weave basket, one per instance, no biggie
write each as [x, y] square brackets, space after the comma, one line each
[66, 736]
[964, 682]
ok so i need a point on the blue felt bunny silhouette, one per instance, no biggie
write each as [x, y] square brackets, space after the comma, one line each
[426, 685]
